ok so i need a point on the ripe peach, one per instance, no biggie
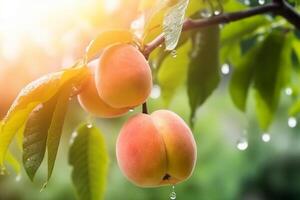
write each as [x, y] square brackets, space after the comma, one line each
[123, 76]
[157, 149]
[91, 102]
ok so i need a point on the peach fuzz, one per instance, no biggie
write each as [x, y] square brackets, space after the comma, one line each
[123, 76]
[157, 149]
[91, 102]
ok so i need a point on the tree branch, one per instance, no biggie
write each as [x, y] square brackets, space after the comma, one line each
[279, 7]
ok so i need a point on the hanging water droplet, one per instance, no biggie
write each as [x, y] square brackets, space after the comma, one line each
[242, 144]
[217, 12]
[160, 46]
[288, 91]
[266, 137]
[247, 2]
[206, 13]
[2, 170]
[89, 125]
[173, 193]
[131, 110]
[174, 53]
[73, 136]
[261, 2]
[155, 92]
[225, 69]
[292, 122]
[18, 178]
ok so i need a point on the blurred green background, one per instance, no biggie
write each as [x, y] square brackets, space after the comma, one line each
[264, 170]
[235, 161]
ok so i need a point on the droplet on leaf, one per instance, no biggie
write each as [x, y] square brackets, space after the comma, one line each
[266, 137]
[292, 122]
[155, 92]
[225, 69]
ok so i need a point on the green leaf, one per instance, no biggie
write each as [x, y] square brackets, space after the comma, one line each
[271, 70]
[294, 109]
[203, 73]
[107, 38]
[12, 161]
[173, 71]
[89, 159]
[242, 77]
[172, 24]
[236, 31]
[37, 92]
[56, 127]
[35, 136]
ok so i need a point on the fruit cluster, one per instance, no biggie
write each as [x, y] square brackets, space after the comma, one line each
[152, 150]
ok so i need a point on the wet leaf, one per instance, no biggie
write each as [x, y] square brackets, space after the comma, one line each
[172, 24]
[35, 136]
[37, 92]
[56, 127]
[203, 72]
[88, 157]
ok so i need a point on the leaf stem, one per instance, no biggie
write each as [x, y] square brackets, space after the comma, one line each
[277, 7]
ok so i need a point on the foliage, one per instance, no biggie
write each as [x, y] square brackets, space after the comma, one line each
[89, 159]
[262, 51]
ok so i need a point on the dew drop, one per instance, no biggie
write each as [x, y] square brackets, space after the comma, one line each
[261, 2]
[292, 122]
[242, 144]
[174, 53]
[225, 69]
[206, 13]
[247, 2]
[266, 137]
[155, 92]
[217, 12]
[288, 91]
[160, 46]
[2, 170]
[173, 193]
[18, 178]
[89, 125]
[131, 110]
[73, 136]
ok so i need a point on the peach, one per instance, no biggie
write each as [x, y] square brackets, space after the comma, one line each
[91, 102]
[157, 149]
[123, 76]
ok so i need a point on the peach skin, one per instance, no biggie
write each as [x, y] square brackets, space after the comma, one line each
[123, 76]
[157, 149]
[91, 102]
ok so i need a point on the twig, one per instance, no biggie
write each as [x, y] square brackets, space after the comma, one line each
[279, 7]
[145, 109]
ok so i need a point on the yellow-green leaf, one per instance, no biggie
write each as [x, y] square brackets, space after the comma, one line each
[35, 136]
[35, 93]
[88, 157]
[173, 71]
[107, 38]
[55, 129]
[172, 23]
